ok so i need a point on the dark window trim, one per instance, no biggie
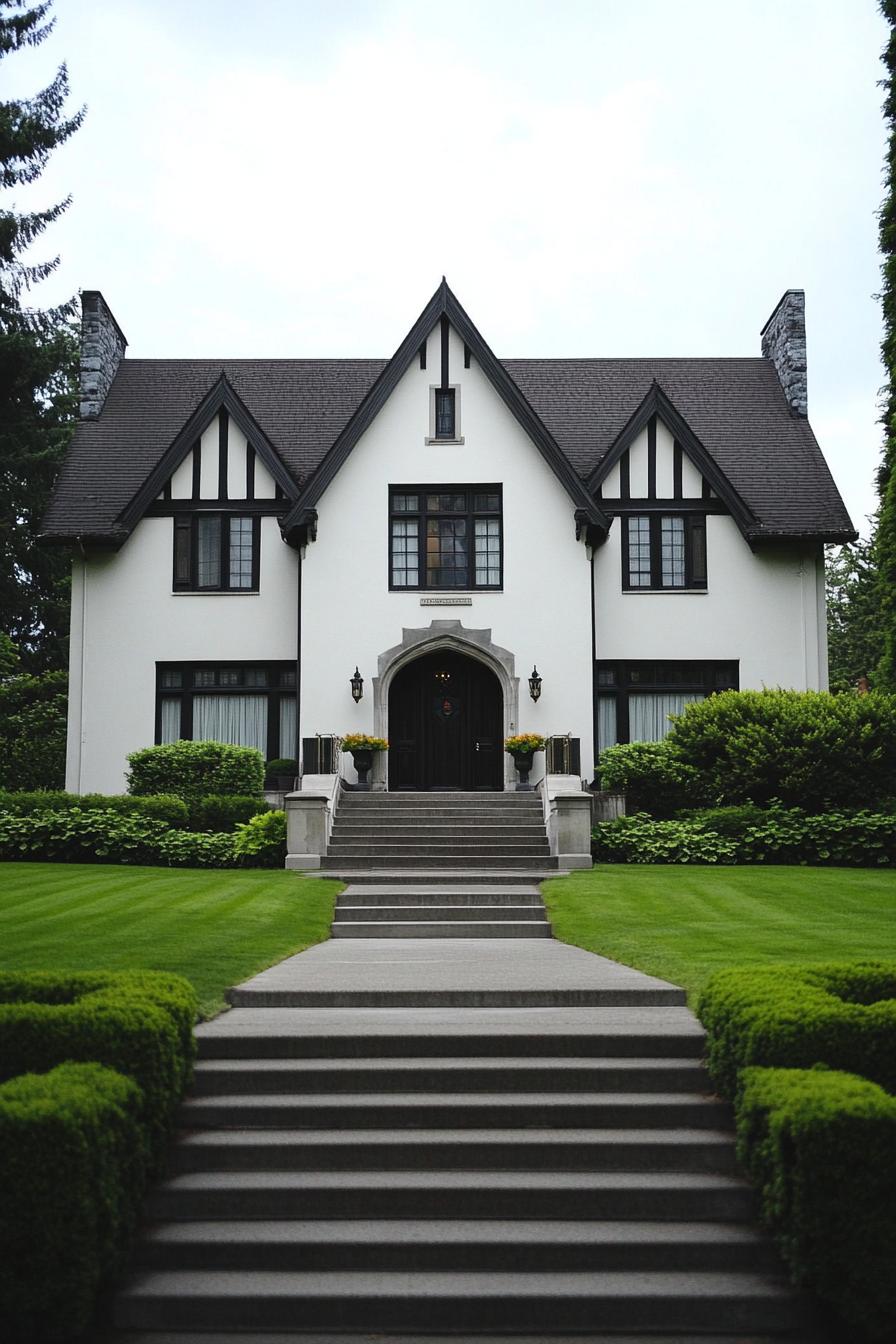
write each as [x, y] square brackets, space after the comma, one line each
[469, 514]
[694, 526]
[450, 413]
[275, 691]
[703, 681]
[188, 519]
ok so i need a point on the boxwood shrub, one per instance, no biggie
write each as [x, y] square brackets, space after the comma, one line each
[653, 778]
[809, 749]
[195, 770]
[72, 1175]
[223, 812]
[139, 1023]
[793, 1016]
[821, 1148]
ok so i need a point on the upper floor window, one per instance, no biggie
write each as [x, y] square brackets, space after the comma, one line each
[663, 551]
[445, 420]
[445, 537]
[215, 552]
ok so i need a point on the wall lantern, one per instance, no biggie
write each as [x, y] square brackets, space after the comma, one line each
[357, 684]
[535, 684]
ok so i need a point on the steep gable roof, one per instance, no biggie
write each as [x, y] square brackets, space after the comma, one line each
[657, 403]
[735, 408]
[444, 304]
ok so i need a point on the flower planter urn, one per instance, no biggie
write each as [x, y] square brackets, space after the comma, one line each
[522, 761]
[363, 759]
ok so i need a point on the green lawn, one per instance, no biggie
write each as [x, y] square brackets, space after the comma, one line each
[215, 927]
[682, 922]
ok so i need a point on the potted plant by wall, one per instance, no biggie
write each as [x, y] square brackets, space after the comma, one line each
[362, 748]
[280, 774]
[522, 748]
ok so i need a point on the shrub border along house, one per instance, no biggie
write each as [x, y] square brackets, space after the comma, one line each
[77, 1139]
[818, 1141]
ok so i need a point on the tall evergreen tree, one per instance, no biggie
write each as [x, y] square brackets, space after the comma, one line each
[854, 637]
[38, 360]
[885, 536]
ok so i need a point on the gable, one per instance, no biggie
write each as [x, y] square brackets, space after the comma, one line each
[198, 467]
[658, 457]
[445, 315]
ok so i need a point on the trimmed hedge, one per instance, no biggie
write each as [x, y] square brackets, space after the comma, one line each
[73, 1174]
[809, 749]
[196, 770]
[220, 812]
[843, 1016]
[729, 835]
[161, 806]
[821, 1148]
[653, 778]
[78, 836]
[139, 1023]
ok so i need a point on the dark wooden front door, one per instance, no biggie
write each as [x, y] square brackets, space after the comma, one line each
[445, 725]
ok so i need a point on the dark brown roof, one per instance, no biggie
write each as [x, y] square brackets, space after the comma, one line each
[735, 407]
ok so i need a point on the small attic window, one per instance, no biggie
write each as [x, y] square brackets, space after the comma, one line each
[445, 421]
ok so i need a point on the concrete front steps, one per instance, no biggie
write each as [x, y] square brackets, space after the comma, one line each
[465, 1171]
[461, 909]
[381, 831]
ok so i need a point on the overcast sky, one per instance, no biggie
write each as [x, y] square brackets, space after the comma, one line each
[595, 177]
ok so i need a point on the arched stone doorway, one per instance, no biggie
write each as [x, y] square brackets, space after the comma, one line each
[446, 637]
[445, 725]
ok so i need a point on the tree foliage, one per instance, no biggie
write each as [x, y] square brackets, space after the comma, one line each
[854, 634]
[885, 538]
[38, 361]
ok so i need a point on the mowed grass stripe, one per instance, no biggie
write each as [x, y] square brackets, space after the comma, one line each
[215, 927]
[683, 922]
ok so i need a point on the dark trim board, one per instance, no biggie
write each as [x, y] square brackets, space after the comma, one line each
[257, 507]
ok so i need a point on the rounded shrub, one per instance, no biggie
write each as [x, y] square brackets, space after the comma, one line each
[195, 770]
[653, 778]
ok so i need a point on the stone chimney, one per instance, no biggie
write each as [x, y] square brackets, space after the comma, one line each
[102, 349]
[784, 343]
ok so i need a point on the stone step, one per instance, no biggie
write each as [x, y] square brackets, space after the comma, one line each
[626, 1035]
[457, 1110]
[356, 894]
[407, 848]
[347, 913]
[438, 798]
[448, 1244]
[449, 1150]
[403, 833]
[449, 1076]
[380, 874]
[500, 927]
[454, 998]
[424, 1337]
[351, 866]
[653, 1299]
[665, 1196]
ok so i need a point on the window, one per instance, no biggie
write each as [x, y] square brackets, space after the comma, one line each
[444, 413]
[216, 553]
[634, 699]
[662, 552]
[445, 537]
[245, 704]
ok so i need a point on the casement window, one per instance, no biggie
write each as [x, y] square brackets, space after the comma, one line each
[634, 699]
[662, 552]
[445, 537]
[444, 413]
[216, 553]
[244, 704]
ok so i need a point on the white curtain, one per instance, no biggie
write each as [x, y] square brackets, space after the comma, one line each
[606, 722]
[170, 718]
[287, 726]
[648, 715]
[241, 720]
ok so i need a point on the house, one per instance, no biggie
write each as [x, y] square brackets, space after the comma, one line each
[249, 534]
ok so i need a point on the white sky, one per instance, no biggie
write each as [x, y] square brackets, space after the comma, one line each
[595, 177]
